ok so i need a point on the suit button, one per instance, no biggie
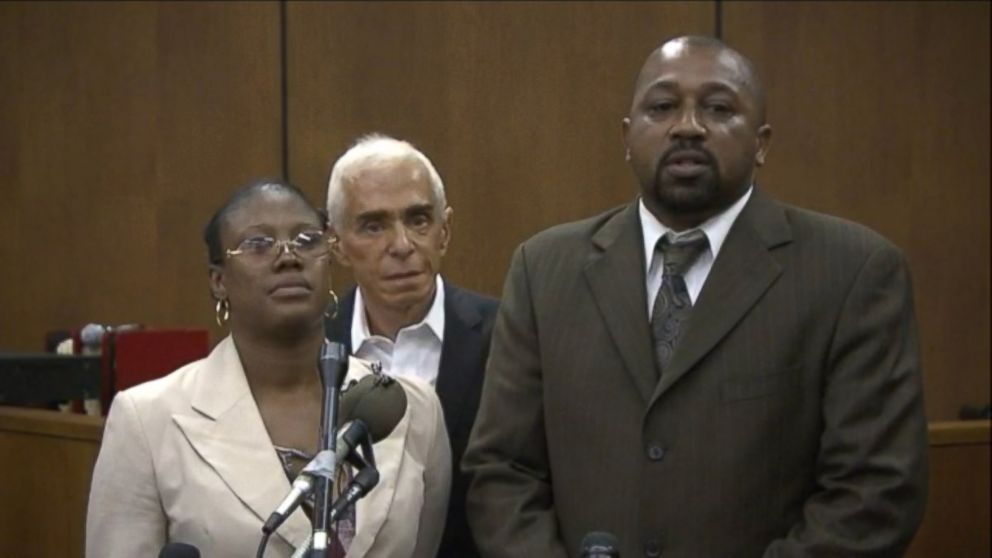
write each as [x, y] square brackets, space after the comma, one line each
[655, 452]
[652, 548]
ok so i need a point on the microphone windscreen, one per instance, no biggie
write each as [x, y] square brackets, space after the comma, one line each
[378, 401]
[92, 334]
[599, 544]
[179, 550]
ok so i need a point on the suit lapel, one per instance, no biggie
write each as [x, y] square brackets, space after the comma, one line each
[372, 510]
[461, 343]
[742, 272]
[231, 438]
[615, 275]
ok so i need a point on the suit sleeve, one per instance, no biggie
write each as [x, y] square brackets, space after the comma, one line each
[124, 516]
[871, 469]
[510, 503]
[437, 486]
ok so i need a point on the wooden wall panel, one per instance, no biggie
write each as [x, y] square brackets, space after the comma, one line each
[880, 114]
[127, 123]
[125, 126]
[517, 104]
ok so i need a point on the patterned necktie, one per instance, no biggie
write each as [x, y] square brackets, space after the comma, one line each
[672, 306]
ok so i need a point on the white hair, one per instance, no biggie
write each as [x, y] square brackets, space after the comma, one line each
[375, 151]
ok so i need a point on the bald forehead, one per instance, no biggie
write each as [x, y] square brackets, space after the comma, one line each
[732, 64]
[722, 62]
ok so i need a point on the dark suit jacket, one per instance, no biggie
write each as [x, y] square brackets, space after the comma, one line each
[468, 324]
[788, 423]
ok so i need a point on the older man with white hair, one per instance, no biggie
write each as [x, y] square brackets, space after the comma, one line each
[390, 223]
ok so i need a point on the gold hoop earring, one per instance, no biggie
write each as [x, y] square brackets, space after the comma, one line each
[329, 313]
[222, 312]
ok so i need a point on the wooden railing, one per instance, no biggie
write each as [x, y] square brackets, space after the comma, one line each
[957, 517]
[48, 457]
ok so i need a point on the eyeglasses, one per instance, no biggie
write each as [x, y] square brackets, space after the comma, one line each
[307, 244]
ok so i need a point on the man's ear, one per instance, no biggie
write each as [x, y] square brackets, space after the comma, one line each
[764, 142]
[335, 243]
[447, 221]
[217, 288]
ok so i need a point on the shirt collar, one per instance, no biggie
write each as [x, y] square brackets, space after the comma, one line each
[434, 318]
[715, 228]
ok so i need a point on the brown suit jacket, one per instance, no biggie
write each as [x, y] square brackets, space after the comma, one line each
[789, 422]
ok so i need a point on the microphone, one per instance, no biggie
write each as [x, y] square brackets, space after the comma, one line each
[179, 550]
[599, 544]
[377, 400]
[333, 365]
[375, 404]
[91, 336]
[320, 466]
[364, 481]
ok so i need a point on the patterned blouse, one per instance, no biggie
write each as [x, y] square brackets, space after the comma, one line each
[293, 461]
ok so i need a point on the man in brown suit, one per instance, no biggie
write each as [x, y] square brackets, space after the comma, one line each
[754, 391]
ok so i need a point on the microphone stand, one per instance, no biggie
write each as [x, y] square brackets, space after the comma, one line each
[366, 479]
[333, 368]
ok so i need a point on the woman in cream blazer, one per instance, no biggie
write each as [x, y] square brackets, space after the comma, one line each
[189, 457]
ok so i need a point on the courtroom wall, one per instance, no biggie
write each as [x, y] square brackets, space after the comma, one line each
[126, 124]
[881, 115]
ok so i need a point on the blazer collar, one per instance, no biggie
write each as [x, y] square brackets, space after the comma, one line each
[372, 510]
[741, 274]
[458, 315]
[463, 343]
[466, 315]
[228, 433]
[615, 274]
[359, 330]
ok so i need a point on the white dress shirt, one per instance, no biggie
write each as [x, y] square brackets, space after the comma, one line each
[715, 228]
[416, 353]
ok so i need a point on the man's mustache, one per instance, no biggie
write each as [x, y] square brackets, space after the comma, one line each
[687, 150]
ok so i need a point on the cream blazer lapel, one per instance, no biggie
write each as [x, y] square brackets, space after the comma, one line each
[372, 510]
[231, 438]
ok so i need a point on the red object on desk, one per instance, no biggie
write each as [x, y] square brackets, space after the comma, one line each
[143, 355]
[133, 355]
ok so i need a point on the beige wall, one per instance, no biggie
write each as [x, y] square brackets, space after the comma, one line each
[125, 125]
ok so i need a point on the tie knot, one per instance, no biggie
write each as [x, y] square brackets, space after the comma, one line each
[678, 255]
